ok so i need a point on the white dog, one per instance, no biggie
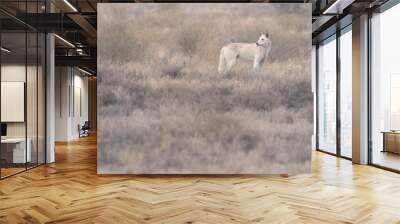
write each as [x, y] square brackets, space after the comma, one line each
[254, 52]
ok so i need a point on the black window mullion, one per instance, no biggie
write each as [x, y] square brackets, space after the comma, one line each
[37, 90]
[317, 96]
[338, 76]
[0, 94]
[26, 86]
[45, 94]
[369, 91]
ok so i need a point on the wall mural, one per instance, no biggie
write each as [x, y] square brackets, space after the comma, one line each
[204, 88]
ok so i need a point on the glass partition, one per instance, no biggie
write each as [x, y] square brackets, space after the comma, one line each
[22, 101]
[33, 73]
[385, 89]
[14, 153]
[31, 99]
[41, 97]
[346, 93]
[327, 95]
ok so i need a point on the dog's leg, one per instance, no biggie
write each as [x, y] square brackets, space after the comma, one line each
[230, 63]
[256, 67]
[222, 62]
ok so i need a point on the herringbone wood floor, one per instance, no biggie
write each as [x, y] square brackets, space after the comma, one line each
[70, 191]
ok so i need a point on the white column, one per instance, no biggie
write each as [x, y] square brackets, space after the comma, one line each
[360, 90]
[50, 110]
[50, 93]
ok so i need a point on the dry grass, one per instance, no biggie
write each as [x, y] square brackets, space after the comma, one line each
[163, 108]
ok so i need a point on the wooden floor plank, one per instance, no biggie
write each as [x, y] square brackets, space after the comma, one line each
[70, 191]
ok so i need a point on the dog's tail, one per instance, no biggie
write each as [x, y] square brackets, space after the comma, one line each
[222, 62]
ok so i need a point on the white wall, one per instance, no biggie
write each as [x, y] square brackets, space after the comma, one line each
[16, 73]
[62, 82]
[12, 73]
[70, 83]
[79, 117]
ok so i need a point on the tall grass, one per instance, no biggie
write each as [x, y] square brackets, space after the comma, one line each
[163, 108]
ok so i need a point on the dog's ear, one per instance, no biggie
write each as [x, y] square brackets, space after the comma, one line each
[266, 34]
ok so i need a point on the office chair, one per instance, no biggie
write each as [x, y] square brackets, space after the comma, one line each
[84, 130]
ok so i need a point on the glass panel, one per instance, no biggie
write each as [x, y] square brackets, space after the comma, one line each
[13, 89]
[346, 94]
[32, 90]
[23, 90]
[386, 89]
[327, 96]
[31, 100]
[41, 99]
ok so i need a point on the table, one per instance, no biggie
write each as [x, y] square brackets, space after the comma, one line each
[391, 141]
[16, 147]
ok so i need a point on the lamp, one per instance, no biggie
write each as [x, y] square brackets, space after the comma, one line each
[84, 71]
[5, 50]
[64, 40]
[70, 5]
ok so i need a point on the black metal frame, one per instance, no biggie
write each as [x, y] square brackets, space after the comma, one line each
[338, 98]
[369, 90]
[0, 87]
[316, 97]
[44, 80]
[389, 4]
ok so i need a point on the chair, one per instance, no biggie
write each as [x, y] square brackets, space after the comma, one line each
[84, 130]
